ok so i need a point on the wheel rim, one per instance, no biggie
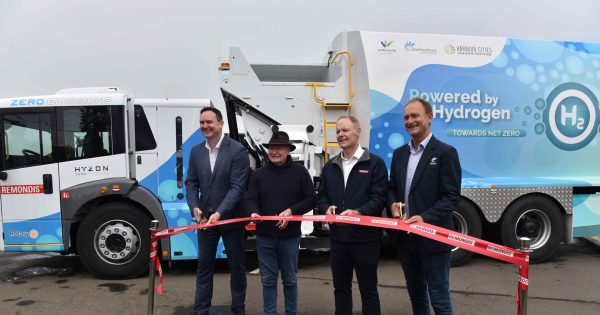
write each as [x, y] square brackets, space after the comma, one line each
[534, 224]
[117, 242]
[460, 225]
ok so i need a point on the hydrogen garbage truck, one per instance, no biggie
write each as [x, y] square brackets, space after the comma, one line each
[523, 115]
[85, 170]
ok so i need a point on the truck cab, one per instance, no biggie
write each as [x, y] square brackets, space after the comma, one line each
[85, 171]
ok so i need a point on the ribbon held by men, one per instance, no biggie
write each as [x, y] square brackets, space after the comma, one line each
[423, 229]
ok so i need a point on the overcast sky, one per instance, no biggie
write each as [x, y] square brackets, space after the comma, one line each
[171, 48]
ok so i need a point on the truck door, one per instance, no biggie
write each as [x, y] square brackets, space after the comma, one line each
[29, 184]
[146, 151]
[177, 134]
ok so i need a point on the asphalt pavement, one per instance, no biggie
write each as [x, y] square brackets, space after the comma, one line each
[51, 284]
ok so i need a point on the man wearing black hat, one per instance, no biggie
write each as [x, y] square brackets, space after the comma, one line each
[281, 188]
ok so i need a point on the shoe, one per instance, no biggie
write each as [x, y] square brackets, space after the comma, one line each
[239, 311]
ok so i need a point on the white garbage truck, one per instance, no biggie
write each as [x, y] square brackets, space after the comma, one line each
[523, 115]
[85, 171]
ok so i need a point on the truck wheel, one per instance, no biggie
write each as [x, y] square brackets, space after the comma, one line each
[466, 221]
[537, 218]
[113, 241]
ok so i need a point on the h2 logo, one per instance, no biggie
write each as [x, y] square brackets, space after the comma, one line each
[571, 116]
[575, 121]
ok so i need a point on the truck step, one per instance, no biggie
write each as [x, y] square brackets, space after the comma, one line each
[337, 105]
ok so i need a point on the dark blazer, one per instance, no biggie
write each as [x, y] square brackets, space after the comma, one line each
[434, 192]
[222, 190]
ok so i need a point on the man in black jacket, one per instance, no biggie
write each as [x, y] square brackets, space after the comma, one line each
[354, 183]
[425, 175]
[281, 188]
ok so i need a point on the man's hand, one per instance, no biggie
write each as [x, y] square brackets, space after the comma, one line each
[397, 210]
[255, 217]
[415, 218]
[283, 224]
[330, 211]
[350, 212]
[214, 218]
[198, 215]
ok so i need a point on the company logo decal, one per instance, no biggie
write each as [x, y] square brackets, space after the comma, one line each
[423, 229]
[26, 101]
[386, 43]
[386, 47]
[461, 239]
[164, 232]
[21, 189]
[571, 116]
[449, 49]
[523, 280]
[412, 47]
[347, 218]
[53, 101]
[33, 233]
[500, 251]
[386, 222]
[433, 161]
[90, 170]
[468, 50]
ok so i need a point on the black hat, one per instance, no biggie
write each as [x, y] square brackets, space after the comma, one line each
[280, 138]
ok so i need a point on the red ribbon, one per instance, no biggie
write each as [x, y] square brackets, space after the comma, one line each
[156, 262]
[523, 283]
[423, 229]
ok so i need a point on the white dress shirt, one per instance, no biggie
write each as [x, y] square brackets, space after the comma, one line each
[212, 153]
[348, 164]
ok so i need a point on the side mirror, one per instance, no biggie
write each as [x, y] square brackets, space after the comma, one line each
[3, 175]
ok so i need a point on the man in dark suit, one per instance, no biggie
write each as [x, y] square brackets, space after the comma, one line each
[425, 175]
[218, 170]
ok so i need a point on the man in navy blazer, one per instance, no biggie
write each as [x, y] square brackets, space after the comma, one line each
[218, 171]
[425, 175]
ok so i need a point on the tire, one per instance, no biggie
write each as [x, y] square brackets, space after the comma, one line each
[466, 221]
[113, 241]
[539, 219]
